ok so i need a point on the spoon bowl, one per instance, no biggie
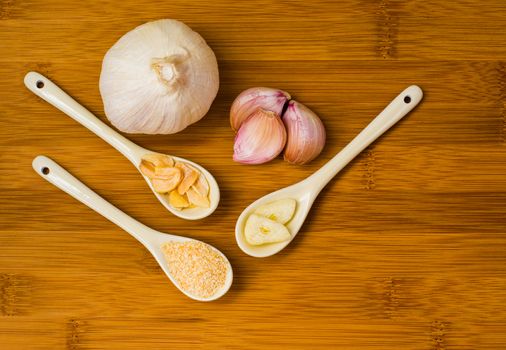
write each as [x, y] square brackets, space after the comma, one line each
[158, 239]
[304, 198]
[306, 191]
[195, 213]
[51, 93]
[151, 239]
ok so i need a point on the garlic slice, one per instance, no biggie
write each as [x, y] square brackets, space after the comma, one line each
[190, 175]
[178, 201]
[260, 139]
[168, 182]
[164, 173]
[280, 211]
[197, 199]
[159, 160]
[201, 186]
[261, 230]
[187, 186]
[147, 168]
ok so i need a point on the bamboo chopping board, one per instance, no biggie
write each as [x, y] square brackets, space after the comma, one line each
[405, 249]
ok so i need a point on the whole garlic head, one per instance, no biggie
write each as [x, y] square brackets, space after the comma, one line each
[158, 78]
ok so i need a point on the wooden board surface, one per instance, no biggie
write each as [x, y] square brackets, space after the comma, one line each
[405, 249]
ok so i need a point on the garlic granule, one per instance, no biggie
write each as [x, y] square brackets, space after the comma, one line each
[158, 78]
[197, 267]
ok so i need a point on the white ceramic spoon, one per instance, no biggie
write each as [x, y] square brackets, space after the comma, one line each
[306, 191]
[50, 92]
[151, 239]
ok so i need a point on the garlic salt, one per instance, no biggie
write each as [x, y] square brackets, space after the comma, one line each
[260, 139]
[306, 134]
[158, 78]
[198, 268]
[250, 100]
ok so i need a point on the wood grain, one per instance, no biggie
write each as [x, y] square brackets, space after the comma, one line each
[405, 249]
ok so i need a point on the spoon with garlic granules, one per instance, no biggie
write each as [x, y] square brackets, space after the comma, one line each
[198, 269]
[270, 223]
[185, 188]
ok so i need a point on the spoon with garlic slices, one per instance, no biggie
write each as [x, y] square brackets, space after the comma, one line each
[185, 188]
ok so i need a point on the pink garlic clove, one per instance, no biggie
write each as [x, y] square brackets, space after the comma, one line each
[251, 99]
[260, 139]
[306, 134]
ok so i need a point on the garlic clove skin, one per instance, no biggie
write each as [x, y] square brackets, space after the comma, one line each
[260, 139]
[305, 132]
[251, 99]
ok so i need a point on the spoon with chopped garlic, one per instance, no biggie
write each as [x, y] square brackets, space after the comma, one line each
[185, 188]
[197, 269]
[270, 223]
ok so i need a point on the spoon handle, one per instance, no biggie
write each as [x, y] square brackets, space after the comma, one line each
[50, 92]
[55, 174]
[398, 108]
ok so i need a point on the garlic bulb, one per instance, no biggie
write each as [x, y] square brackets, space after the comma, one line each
[158, 78]
[250, 100]
[260, 139]
[306, 134]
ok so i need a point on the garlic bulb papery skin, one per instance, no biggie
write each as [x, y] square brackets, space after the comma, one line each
[251, 99]
[158, 78]
[305, 132]
[260, 139]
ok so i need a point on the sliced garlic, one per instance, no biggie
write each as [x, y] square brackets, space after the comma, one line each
[305, 132]
[187, 186]
[154, 165]
[147, 168]
[280, 211]
[190, 175]
[261, 230]
[168, 182]
[159, 160]
[178, 201]
[164, 173]
[260, 139]
[197, 199]
[251, 99]
[201, 186]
